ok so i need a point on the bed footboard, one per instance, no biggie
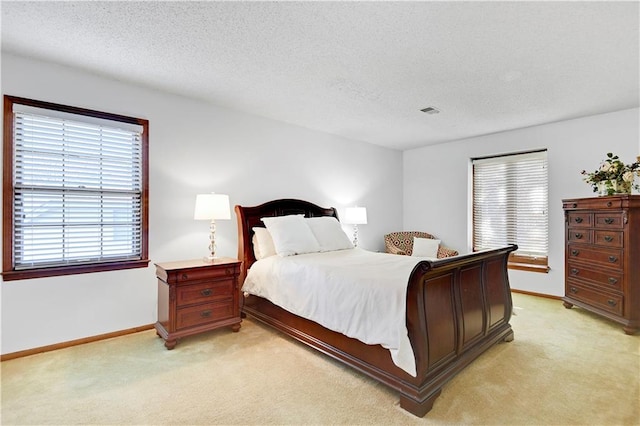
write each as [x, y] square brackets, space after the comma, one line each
[456, 309]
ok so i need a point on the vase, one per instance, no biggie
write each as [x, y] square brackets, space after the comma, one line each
[612, 187]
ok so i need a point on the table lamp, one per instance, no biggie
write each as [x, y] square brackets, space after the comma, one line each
[355, 216]
[211, 207]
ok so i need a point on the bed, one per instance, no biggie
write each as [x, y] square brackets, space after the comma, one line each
[456, 309]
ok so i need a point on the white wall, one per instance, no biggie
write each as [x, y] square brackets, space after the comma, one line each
[194, 147]
[436, 180]
[198, 147]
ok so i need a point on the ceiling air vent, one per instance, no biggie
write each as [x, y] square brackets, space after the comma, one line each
[430, 110]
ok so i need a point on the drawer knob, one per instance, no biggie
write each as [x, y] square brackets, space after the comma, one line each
[573, 290]
[609, 204]
[206, 292]
[185, 276]
[575, 252]
[228, 271]
[579, 236]
[608, 238]
[612, 280]
[574, 271]
[613, 259]
[205, 314]
[578, 220]
[574, 205]
[608, 220]
[611, 302]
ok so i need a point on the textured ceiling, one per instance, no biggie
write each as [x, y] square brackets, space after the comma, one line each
[361, 70]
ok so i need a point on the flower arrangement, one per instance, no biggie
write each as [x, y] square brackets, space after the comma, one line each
[613, 176]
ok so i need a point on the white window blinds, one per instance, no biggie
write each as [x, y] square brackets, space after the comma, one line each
[77, 190]
[510, 203]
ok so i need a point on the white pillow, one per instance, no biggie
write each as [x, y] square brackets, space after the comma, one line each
[262, 243]
[291, 235]
[425, 247]
[329, 233]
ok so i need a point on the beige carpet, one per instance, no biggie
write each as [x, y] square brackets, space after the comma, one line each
[564, 367]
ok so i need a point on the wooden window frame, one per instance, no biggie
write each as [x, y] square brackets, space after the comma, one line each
[521, 262]
[9, 272]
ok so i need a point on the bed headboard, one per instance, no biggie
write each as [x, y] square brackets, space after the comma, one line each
[249, 217]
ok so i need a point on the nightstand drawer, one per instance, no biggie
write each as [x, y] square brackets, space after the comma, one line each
[607, 257]
[609, 238]
[205, 313]
[609, 220]
[610, 280]
[214, 290]
[607, 302]
[580, 219]
[205, 274]
[577, 235]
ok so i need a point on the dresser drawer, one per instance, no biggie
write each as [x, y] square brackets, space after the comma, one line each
[203, 274]
[599, 203]
[609, 238]
[607, 302]
[611, 258]
[204, 313]
[580, 219]
[214, 290]
[609, 220]
[607, 279]
[579, 235]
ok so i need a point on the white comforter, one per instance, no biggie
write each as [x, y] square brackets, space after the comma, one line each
[358, 293]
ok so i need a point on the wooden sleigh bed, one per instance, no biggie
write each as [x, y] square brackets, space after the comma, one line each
[457, 308]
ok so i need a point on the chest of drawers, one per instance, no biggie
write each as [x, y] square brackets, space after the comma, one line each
[602, 257]
[196, 296]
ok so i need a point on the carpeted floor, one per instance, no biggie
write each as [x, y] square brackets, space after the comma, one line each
[565, 367]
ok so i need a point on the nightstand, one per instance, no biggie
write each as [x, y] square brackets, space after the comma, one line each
[195, 296]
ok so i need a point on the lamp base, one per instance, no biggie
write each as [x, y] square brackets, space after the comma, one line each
[212, 242]
[355, 235]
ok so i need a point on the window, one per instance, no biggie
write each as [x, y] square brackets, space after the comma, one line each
[510, 206]
[75, 196]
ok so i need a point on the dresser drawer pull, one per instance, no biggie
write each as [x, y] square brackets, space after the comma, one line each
[573, 290]
[228, 271]
[185, 276]
[612, 302]
[608, 238]
[206, 292]
[608, 220]
[579, 236]
[613, 280]
[609, 204]
[574, 271]
[579, 220]
[205, 314]
[574, 205]
[575, 252]
[613, 259]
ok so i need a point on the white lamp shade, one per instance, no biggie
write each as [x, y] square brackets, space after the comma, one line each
[355, 216]
[212, 206]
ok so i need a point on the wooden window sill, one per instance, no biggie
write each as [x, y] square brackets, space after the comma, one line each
[529, 267]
